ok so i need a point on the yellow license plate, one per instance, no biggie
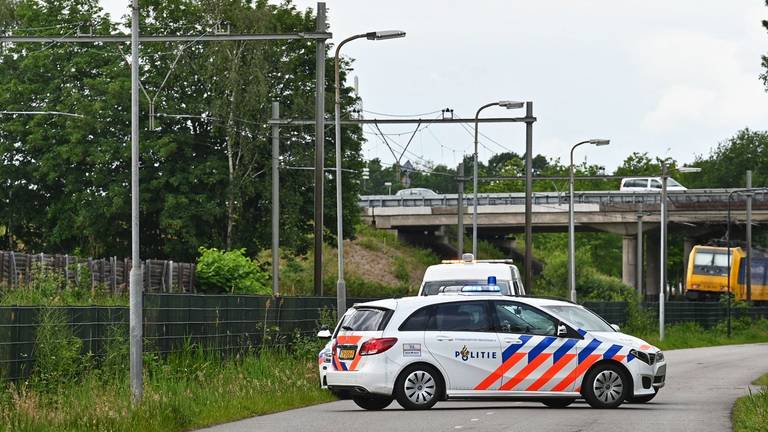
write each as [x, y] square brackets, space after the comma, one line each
[347, 353]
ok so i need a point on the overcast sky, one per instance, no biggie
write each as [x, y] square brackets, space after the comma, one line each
[671, 78]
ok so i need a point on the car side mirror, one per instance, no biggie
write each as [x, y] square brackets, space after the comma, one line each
[562, 331]
[615, 327]
[324, 333]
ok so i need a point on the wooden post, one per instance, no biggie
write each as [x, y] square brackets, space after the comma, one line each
[170, 276]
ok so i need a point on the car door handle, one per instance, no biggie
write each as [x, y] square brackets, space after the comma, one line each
[444, 338]
[512, 341]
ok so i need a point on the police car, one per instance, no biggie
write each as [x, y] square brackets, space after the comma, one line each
[421, 350]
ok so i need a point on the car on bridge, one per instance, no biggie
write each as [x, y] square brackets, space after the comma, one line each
[416, 193]
[421, 350]
[649, 184]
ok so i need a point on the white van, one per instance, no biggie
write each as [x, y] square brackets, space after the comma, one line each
[648, 184]
[452, 275]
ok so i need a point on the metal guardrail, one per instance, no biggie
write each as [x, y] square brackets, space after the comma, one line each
[691, 196]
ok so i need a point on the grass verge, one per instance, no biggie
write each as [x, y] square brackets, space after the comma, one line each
[693, 335]
[188, 391]
[750, 413]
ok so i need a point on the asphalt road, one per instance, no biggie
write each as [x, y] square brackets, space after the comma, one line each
[702, 384]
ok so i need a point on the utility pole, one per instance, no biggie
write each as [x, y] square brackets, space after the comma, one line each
[136, 289]
[320, 26]
[275, 199]
[529, 196]
[663, 254]
[639, 268]
[460, 228]
[748, 273]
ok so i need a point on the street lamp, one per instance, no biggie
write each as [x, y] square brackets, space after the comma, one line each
[571, 223]
[663, 240]
[341, 289]
[505, 104]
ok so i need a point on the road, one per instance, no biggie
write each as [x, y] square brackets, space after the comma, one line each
[702, 385]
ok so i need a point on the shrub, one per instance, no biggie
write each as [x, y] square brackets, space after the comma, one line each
[230, 271]
[58, 352]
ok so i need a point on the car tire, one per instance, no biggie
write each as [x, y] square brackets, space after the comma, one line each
[558, 402]
[606, 386]
[419, 387]
[372, 403]
[643, 399]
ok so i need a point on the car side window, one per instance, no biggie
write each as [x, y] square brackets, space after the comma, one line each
[417, 321]
[461, 316]
[655, 184]
[521, 318]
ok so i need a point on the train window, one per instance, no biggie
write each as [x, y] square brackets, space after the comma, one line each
[709, 263]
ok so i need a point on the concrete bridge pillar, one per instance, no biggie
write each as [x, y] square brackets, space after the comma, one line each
[652, 256]
[629, 261]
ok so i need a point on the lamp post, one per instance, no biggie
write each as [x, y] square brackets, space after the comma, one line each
[505, 104]
[341, 289]
[663, 240]
[571, 222]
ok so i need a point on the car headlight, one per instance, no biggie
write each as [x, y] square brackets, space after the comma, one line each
[659, 357]
[642, 356]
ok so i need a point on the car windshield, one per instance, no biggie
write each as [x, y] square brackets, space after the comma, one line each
[456, 286]
[673, 183]
[582, 318]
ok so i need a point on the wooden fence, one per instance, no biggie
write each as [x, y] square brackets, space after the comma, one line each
[160, 276]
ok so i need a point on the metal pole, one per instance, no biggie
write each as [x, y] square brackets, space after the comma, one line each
[460, 228]
[341, 288]
[475, 181]
[136, 280]
[275, 200]
[748, 273]
[529, 196]
[639, 268]
[320, 25]
[571, 235]
[663, 243]
[728, 248]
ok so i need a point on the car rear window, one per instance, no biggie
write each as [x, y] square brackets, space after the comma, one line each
[366, 319]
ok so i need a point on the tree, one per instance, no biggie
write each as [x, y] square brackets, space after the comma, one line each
[202, 179]
[726, 165]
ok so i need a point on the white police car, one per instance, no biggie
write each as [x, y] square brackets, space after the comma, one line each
[421, 350]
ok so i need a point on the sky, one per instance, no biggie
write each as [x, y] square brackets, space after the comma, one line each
[671, 78]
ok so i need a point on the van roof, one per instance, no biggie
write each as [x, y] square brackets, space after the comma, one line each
[471, 270]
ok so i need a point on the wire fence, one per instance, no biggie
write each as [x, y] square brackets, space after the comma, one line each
[231, 324]
[161, 276]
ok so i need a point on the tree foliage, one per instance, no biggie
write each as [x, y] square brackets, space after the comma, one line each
[204, 165]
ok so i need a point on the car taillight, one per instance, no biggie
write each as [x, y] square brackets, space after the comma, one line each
[376, 346]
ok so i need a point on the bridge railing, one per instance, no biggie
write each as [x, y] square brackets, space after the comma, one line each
[692, 196]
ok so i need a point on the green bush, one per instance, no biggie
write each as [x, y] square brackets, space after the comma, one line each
[58, 352]
[230, 271]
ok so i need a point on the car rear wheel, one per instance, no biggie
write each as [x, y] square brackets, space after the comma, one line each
[644, 398]
[558, 402]
[372, 403]
[605, 386]
[418, 387]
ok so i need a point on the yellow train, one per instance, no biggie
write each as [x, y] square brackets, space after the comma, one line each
[707, 277]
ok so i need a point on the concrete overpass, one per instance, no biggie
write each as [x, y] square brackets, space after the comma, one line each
[697, 212]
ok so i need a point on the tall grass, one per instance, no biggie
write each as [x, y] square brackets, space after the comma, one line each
[188, 389]
[750, 413]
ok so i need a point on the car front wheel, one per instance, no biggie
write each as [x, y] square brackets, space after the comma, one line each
[605, 386]
[372, 403]
[418, 387]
